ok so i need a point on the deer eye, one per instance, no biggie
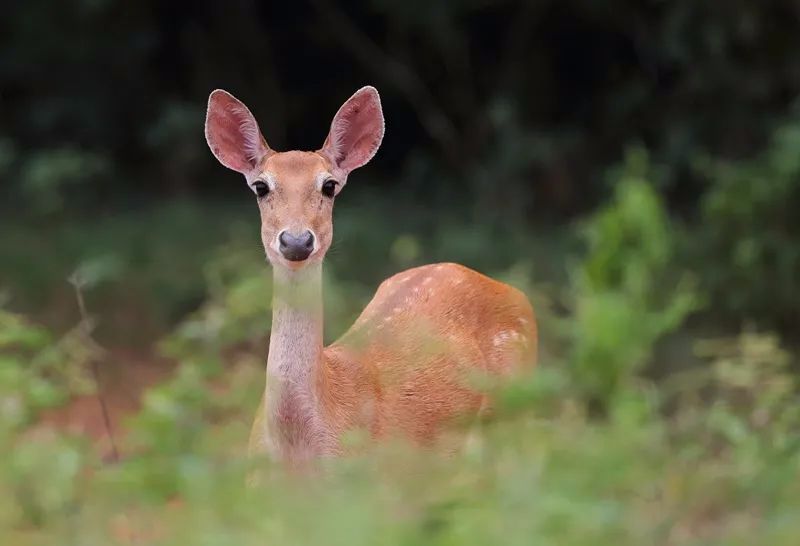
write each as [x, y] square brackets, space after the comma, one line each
[261, 188]
[329, 188]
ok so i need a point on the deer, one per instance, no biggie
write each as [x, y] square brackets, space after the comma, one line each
[404, 368]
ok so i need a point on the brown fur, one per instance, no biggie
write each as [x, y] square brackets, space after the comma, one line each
[408, 365]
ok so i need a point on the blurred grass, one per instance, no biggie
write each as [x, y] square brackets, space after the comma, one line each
[719, 470]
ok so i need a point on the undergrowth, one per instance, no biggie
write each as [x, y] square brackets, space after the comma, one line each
[587, 450]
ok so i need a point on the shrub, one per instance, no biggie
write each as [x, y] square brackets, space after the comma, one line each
[747, 247]
[626, 293]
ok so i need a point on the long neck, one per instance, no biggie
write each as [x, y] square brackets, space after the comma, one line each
[295, 345]
[294, 362]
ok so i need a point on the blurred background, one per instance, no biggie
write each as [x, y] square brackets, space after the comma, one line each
[633, 166]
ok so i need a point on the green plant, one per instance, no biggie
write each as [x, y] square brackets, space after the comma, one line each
[747, 247]
[51, 177]
[626, 293]
[39, 473]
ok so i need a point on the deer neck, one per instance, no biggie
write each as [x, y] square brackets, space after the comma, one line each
[296, 427]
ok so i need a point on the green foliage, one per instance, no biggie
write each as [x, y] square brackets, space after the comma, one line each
[236, 309]
[141, 280]
[39, 473]
[709, 458]
[38, 371]
[173, 138]
[625, 293]
[49, 178]
[748, 248]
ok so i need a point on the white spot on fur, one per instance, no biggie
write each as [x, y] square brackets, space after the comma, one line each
[416, 289]
[505, 336]
[426, 280]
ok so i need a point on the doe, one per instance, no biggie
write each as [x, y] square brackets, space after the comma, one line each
[403, 369]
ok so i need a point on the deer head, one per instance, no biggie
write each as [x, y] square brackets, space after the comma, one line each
[295, 190]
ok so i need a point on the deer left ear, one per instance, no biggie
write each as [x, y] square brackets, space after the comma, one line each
[356, 131]
[232, 133]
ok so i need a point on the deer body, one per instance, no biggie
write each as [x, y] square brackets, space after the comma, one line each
[405, 367]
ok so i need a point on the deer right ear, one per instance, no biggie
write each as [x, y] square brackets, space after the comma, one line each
[357, 130]
[232, 133]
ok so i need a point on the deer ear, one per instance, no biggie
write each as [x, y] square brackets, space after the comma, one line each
[232, 133]
[357, 130]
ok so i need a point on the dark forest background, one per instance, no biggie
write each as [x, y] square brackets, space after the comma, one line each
[634, 166]
[499, 113]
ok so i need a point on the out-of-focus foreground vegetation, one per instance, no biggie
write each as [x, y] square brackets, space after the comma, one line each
[634, 168]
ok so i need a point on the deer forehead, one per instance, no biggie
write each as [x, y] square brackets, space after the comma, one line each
[297, 169]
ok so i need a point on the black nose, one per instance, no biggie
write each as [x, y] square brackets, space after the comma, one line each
[296, 248]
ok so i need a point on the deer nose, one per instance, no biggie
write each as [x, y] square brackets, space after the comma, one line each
[296, 248]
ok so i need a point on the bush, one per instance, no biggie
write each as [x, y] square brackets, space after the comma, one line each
[39, 474]
[626, 293]
[746, 246]
[710, 470]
